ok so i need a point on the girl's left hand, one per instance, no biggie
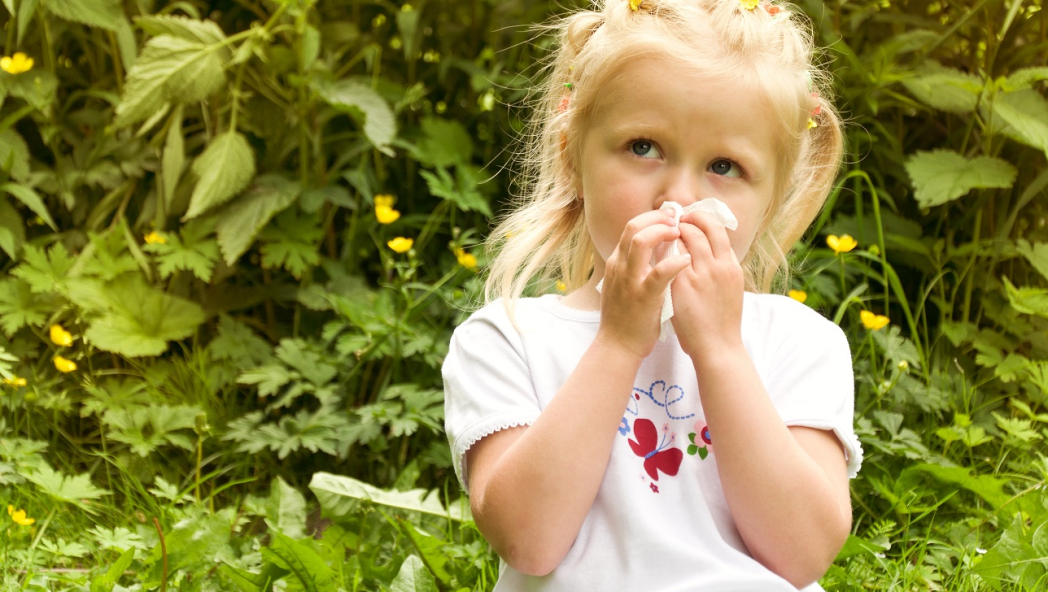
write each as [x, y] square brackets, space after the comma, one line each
[707, 295]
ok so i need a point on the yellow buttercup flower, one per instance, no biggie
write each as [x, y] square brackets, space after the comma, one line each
[841, 244]
[466, 260]
[16, 64]
[155, 238]
[16, 382]
[561, 286]
[19, 516]
[749, 4]
[64, 365]
[401, 244]
[386, 214]
[60, 336]
[798, 295]
[872, 321]
[384, 200]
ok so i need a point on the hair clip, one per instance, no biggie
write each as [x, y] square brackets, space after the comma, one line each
[818, 103]
[811, 123]
[749, 4]
[569, 86]
[565, 102]
[771, 9]
[635, 4]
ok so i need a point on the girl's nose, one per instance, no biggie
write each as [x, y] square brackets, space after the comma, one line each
[683, 187]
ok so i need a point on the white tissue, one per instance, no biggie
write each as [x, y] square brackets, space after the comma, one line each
[715, 207]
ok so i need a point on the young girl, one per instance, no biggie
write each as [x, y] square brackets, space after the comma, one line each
[597, 455]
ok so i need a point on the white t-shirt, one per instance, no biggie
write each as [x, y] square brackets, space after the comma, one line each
[660, 522]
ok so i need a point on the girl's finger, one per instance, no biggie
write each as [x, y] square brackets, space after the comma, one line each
[643, 245]
[716, 233]
[638, 223]
[662, 274]
[696, 242]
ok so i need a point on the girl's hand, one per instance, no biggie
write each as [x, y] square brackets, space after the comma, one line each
[707, 295]
[632, 295]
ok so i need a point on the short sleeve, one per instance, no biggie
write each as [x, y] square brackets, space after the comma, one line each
[811, 380]
[487, 383]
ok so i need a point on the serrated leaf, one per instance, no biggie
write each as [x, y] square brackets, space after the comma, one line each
[193, 251]
[1024, 77]
[1027, 300]
[147, 428]
[1036, 254]
[140, 320]
[446, 143]
[946, 89]
[45, 272]
[31, 200]
[242, 221]
[268, 378]
[19, 307]
[205, 32]
[942, 176]
[169, 69]
[413, 577]
[357, 99]
[103, 14]
[339, 495]
[461, 193]
[291, 242]
[224, 170]
[14, 154]
[1026, 114]
[76, 490]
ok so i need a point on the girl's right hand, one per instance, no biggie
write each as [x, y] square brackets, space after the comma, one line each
[633, 292]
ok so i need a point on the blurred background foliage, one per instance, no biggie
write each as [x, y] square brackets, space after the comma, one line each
[235, 237]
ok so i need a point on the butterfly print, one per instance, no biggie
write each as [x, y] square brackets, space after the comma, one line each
[657, 454]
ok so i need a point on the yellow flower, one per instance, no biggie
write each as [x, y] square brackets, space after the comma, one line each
[16, 64]
[384, 200]
[635, 4]
[19, 516]
[842, 244]
[155, 238]
[811, 123]
[16, 382]
[466, 260]
[401, 244]
[799, 295]
[749, 4]
[64, 365]
[561, 286]
[873, 322]
[386, 214]
[60, 336]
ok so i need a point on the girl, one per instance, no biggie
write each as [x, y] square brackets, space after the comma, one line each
[598, 456]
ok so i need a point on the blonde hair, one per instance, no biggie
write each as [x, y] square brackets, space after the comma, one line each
[544, 237]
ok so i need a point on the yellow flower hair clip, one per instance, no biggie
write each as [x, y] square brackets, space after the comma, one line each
[635, 4]
[749, 4]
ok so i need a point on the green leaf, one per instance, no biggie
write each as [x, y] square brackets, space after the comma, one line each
[31, 200]
[1026, 114]
[340, 496]
[308, 359]
[946, 89]
[45, 272]
[14, 154]
[1024, 77]
[269, 378]
[242, 221]
[169, 69]
[363, 104]
[413, 577]
[1027, 300]
[446, 143]
[204, 32]
[12, 229]
[19, 307]
[238, 343]
[140, 320]
[286, 509]
[173, 159]
[462, 193]
[147, 428]
[291, 242]
[302, 562]
[987, 487]
[942, 176]
[224, 170]
[77, 490]
[103, 14]
[105, 582]
[860, 546]
[194, 251]
[252, 582]
[1036, 254]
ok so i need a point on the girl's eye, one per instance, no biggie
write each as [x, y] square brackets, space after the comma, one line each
[644, 149]
[726, 168]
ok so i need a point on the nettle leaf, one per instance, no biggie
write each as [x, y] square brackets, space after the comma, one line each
[1027, 300]
[224, 170]
[942, 176]
[14, 155]
[77, 490]
[242, 221]
[363, 104]
[946, 89]
[19, 307]
[205, 32]
[45, 272]
[140, 320]
[147, 428]
[1024, 77]
[104, 14]
[1036, 254]
[1026, 114]
[31, 200]
[291, 242]
[169, 69]
[194, 251]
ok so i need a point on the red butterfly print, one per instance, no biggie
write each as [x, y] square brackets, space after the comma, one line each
[658, 456]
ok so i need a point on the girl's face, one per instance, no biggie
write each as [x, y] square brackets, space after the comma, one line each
[663, 133]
